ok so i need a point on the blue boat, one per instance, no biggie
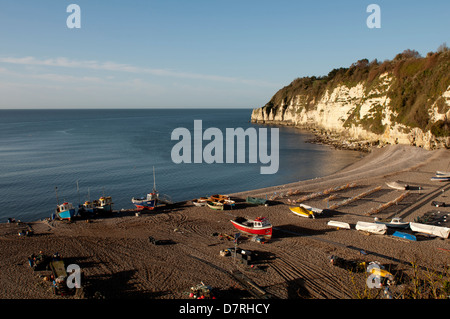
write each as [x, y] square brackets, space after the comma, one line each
[65, 211]
[404, 236]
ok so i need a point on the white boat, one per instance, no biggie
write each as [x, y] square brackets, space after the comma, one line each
[397, 185]
[439, 231]
[441, 173]
[312, 209]
[338, 224]
[373, 228]
[200, 201]
[441, 178]
[395, 222]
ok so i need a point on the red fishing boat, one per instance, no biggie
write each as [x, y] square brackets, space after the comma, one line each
[260, 226]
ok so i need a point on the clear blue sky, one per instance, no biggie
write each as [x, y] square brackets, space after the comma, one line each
[195, 53]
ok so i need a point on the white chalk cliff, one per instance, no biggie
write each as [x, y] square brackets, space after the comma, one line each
[359, 111]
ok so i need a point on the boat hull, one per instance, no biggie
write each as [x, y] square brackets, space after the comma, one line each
[438, 231]
[337, 224]
[441, 178]
[397, 185]
[404, 236]
[255, 200]
[144, 204]
[402, 225]
[67, 214]
[265, 231]
[303, 212]
[374, 228]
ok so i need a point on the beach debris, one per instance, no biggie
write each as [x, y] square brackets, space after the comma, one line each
[378, 271]
[350, 265]
[201, 291]
[245, 256]
[438, 204]
[153, 240]
[223, 236]
[39, 261]
[258, 239]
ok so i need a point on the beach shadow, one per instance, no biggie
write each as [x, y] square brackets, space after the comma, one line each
[287, 231]
[296, 289]
[117, 286]
[326, 213]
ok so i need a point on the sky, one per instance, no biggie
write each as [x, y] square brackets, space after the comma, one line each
[180, 54]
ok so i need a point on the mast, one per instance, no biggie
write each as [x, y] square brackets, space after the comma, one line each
[56, 191]
[78, 191]
[154, 180]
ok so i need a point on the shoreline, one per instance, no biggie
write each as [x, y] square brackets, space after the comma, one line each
[119, 261]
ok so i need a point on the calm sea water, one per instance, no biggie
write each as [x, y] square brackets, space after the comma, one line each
[112, 152]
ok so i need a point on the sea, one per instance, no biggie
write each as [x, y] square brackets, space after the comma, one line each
[49, 156]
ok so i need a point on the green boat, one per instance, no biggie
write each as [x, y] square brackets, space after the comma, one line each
[215, 205]
[256, 200]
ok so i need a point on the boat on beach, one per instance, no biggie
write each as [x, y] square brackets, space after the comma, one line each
[443, 174]
[316, 211]
[395, 222]
[259, 226]
[438, 231]
[255, 200]
[215, 205]
[200, 201]
[152, 200]
[438, 204]
[441, 178]
[105, 204]
[303, 212]
[338, 224]
[145, 203]
[217, 197]
[373, 228]
[65, 211]
[404, 236]
[398, 185]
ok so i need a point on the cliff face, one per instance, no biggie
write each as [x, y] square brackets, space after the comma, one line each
[403, 101]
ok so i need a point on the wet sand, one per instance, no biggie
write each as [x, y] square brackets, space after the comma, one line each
[118, 260]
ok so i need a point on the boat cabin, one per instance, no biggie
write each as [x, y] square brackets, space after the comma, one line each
[260, 222]
[105, 201]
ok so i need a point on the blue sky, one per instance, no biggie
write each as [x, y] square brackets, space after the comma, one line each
[133, 54]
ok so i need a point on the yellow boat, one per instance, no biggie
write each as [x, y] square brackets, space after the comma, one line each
[300, 211]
